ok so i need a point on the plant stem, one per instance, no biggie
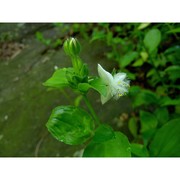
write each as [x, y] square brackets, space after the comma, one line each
[91, 109]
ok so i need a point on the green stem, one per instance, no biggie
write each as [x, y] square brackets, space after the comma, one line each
[91, 109]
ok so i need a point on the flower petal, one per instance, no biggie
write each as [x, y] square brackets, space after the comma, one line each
[119, 77]
[104, 75]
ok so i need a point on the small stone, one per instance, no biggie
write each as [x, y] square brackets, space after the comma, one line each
[6, 117]
[55, 67]
[16, 79]
[1, 136]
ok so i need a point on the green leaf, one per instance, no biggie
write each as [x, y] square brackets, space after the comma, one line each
[162, 115]
[70, 125]
[132, 125]
[98, 85]
[154, 78]
[97, 35]
[152, 39]
[103, 133]
[134, 90]
[151, 72]
[167, 101]
[148, 135]
[137, 63]
[117, 146]
[173, 72]
[175, 30]
[138, 150]
[143, 26]
[128, 58]
[39, 36]
[166, 142]
[58, 79]
[144, 55]
[144, 97]
[160, 90]
[172, 49]
[148, 121]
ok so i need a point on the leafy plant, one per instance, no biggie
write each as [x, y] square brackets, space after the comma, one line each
[72, 124]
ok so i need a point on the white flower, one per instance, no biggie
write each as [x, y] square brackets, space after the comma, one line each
[117, 85]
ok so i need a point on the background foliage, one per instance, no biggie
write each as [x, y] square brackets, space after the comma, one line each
[150, 54]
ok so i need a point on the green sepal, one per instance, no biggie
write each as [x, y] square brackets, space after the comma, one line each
[58, 79]
[96, 84]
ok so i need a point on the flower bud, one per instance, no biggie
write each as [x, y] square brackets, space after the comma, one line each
[72, 47]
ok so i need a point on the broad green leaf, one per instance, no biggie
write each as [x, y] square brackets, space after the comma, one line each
[58, 79]
[117, 146]
[152, 39]
[103, 133]
[128, 58]
[166, 142]
[70, 125]
[148, 121]
[138, 150]
[99, 86]
[173, 72]
[162, 115]
[132, 125]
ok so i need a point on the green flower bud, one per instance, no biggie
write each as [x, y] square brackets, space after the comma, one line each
[72, 47]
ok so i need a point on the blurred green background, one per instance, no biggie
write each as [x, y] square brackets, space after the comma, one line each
[148, 52]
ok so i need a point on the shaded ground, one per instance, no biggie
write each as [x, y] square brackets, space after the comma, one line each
[25, 104]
